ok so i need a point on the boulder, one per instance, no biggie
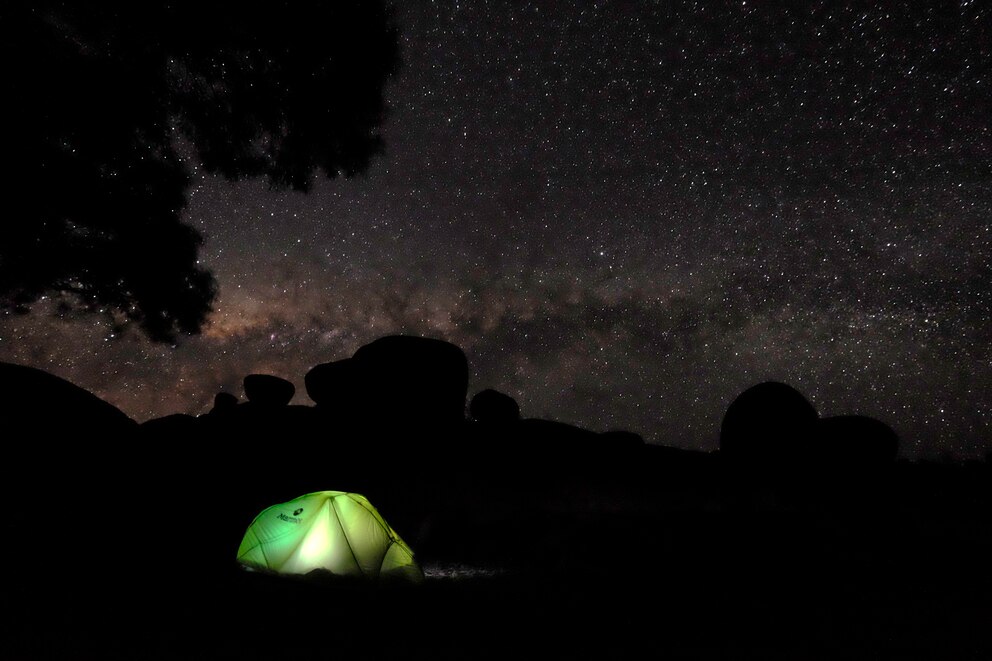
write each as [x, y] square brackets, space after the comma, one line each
[335, 385]
[224, 402]
[852, 442]
[490, 407]
[175, 425]
[66, 453]
[413, 380]
[33, 399]
[770, 425]
[268, 390]
[621, 439]
[559, 440]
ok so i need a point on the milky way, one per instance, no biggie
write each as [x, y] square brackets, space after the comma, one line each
[625, 213]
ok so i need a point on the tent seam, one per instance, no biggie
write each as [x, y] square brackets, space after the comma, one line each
[391, 536]
[347, 540]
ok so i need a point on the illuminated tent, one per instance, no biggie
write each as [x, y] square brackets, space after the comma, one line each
[327, 530]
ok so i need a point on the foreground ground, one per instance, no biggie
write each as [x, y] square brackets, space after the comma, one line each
[763, 586]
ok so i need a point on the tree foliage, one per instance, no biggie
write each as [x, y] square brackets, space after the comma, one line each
[100, 98]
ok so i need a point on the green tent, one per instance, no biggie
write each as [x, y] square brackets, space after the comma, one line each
[327, 530]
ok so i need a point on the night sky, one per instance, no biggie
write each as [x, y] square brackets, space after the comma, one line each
[625, 213]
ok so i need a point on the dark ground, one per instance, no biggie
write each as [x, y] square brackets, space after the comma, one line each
[652, 563]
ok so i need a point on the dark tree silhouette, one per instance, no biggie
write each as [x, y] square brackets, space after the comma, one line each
[103, 101]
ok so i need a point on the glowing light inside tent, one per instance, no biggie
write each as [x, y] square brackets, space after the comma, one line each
[331, 530]
[317, 548]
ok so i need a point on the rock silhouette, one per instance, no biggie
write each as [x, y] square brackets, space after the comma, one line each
[415, 380]
[856, 442]
[224, 402]
[268, 390]
[622, 439]
[65, 451]
[174, 425]
[335, 386]
[494, 408]
[851, 467]
[394, 381]
[554, 504]
[47, 404]
[768, 426]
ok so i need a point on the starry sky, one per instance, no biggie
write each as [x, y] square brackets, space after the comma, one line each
[625, 213]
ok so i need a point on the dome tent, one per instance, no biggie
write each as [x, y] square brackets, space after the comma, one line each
[335, 531]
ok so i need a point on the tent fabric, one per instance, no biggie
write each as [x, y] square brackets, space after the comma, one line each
[335, 531]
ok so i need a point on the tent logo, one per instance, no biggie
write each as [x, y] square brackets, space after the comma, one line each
[285, 517]
[297, 511]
